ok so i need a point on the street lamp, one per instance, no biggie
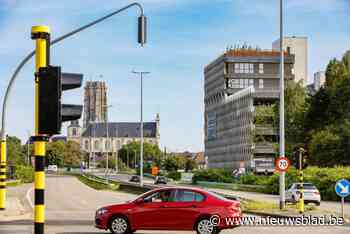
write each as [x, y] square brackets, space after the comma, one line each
[141, 73]
[107, 140]
[142, 21]
[282, 130]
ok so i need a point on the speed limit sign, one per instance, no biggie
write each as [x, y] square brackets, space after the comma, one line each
[282, 164]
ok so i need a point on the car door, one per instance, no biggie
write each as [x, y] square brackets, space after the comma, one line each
[185, 208]
[153, 213]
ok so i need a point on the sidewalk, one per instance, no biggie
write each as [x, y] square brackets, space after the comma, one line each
[16, 207]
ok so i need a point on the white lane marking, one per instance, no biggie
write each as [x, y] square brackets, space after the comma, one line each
[28, 197]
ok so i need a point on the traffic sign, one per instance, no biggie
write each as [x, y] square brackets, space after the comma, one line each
[282, 164]
[342, 188]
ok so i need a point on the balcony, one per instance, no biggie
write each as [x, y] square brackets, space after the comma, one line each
[264, 148]
[266, 94]
[265, 130]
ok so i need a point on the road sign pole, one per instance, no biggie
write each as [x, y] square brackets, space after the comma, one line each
[342, 207]
[41, 34]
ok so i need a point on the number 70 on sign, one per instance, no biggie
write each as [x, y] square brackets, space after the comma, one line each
[282, 164]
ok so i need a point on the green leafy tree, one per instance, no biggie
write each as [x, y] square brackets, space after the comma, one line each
[73, 154]
[323, 148]
[15, 155]
[190, 165]
[295, 111]
[131, 151]
[55, 153]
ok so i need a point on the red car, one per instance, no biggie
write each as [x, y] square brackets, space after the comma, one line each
[170, 209]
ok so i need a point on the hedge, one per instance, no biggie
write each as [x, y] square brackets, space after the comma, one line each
[323, 178]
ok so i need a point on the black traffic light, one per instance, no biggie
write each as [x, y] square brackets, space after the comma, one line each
[51, 112]
[142, 30]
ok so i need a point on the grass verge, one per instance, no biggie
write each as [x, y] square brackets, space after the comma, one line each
[98, 185]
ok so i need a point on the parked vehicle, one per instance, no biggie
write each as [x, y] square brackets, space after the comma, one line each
[196, 207]
[52, 169]
[160, 180]
[135, 178]
[311, 193]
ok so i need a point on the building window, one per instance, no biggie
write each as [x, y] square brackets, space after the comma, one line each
[251, 82]
[237, 68]
[233, 83]
[244, 68]
[74, 132]
[241, 83]
[261, 83]
[261, 68]
[107, 145]
[87, 145]
[97, 145]
[251, 68]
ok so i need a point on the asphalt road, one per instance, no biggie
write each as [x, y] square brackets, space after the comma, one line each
[70, 208]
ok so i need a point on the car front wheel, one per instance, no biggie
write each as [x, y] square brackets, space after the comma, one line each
[205, 226]
[119, 225]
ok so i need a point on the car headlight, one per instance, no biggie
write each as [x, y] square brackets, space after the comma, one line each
[101, 211]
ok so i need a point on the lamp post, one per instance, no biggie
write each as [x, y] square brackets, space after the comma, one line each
[107, 145]
[141, 73]
[282, 130]
[142, 21]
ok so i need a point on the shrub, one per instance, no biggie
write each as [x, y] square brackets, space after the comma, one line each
[213, 175]
[174, 175]
[24, 173]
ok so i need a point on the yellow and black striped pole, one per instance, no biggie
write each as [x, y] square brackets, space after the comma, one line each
[42, 36]
[2, 174]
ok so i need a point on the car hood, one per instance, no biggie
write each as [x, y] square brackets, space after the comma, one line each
[120, 206]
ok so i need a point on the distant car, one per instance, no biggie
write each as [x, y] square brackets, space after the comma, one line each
[135, 178]
[311, 193]
[52, 169]
[172, 209]
[160, 180]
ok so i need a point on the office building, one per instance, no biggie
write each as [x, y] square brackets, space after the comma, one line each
[298, 46]
[241, 87]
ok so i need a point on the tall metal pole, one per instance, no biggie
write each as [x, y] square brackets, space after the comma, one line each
[141, 132]
[41, 35]
[117, 149]
[141, 125]
[282, 137]
[107, 140]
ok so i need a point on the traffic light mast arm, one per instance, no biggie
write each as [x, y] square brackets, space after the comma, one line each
[61, 38]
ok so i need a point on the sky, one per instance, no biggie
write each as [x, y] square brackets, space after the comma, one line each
[183, 36]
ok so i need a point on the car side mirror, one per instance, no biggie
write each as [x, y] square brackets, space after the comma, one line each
[140, 201]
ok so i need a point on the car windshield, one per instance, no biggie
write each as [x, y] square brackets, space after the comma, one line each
[306, 186]
[217, 195]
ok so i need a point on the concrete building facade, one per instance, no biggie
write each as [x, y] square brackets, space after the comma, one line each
[298, 46]
[319, 80]
[95, 101]
[238, 85]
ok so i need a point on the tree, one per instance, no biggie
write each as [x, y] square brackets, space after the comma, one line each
[73, 154]
[174, 162]
[62, 153]
[295, 110]
[327, 123]
[14, 151]
[324, 148]
[131, 151]
[190, 165]
[55, 153]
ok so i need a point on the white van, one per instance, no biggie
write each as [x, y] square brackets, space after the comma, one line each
[52, 169]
